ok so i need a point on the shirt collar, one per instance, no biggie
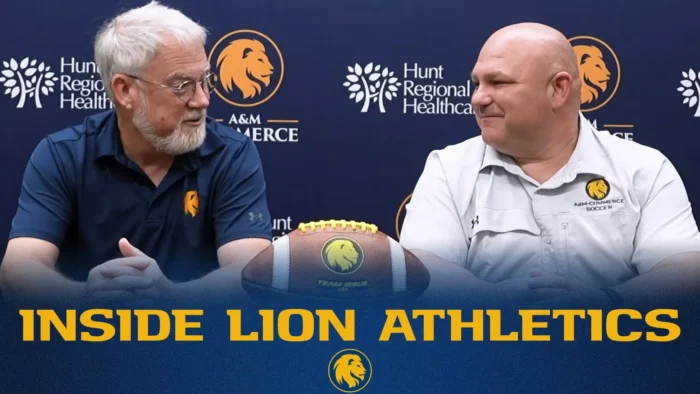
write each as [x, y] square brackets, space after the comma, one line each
[107, 140]
[588, 156]
[109, 143]
[492, 157]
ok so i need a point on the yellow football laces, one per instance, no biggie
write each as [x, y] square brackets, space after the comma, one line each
[322, 224]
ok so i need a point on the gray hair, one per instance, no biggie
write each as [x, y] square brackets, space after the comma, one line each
[128, 42]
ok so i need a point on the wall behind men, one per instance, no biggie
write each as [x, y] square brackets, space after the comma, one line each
[328, 153]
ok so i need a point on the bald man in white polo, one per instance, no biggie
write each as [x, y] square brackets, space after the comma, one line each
[541, 204]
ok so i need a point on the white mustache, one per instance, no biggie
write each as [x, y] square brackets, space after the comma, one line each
[194, 115]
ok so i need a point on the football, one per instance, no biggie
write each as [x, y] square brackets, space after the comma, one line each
[336, 259]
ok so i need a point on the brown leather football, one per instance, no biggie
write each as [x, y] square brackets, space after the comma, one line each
[336, 259]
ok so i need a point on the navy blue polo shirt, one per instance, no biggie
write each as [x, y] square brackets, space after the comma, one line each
[82, 193]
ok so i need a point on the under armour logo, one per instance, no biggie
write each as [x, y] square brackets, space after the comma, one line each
[254, 216]
[475, 221]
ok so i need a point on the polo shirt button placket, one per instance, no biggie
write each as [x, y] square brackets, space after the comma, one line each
[566, 264]
[547, 249]
[548, 262]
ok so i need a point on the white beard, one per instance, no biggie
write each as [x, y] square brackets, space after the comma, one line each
[182, 140]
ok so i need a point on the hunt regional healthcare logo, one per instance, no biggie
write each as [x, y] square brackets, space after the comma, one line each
[251, 69]
[371, 84]
[690, 90]
[350, 370]
[31, 82]
[421, 89]
[27, 81]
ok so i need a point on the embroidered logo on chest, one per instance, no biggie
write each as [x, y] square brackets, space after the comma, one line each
[191, 203]
[597, 190]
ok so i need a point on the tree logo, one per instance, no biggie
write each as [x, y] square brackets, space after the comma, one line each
[371, 84]
[27, 80]
[690, 90]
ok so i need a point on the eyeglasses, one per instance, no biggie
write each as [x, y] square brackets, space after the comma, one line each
[185, 90]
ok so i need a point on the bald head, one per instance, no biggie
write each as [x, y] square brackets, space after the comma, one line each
[527, 83]
[538, 48]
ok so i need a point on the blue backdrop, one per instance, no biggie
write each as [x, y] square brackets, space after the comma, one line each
[325, 156]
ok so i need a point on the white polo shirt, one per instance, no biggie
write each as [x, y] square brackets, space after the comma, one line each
[612, 212]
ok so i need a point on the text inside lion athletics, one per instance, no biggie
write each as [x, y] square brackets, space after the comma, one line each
[301, 325]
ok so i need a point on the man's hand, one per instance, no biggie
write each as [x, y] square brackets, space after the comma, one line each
[448, 281]
[575, 293]
[162, 288]
[116, 280]
[523, 291]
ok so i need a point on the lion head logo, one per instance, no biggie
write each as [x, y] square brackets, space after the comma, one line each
[341, 255]
[600, 71]
[243, 64]
[598, 188]
[250, 67]
[349, 370]
[594, 72]
[191, 203]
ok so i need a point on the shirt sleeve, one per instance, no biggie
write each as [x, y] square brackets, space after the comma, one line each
[45, 208]
[240, 207]
[432, 223]
[667, 226]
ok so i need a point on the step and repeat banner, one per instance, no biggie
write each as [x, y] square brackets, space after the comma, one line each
[358, 94]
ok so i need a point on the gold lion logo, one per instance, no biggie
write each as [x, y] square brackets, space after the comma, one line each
[349, 370]
[598, 188]
[191, 203]
[243, 64]
[600, 71]
[341, 255]
[594, 72]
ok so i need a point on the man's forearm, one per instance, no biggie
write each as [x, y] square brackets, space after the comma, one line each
[675, 281]
[222, 283]
[448, 280]
[33, 281]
